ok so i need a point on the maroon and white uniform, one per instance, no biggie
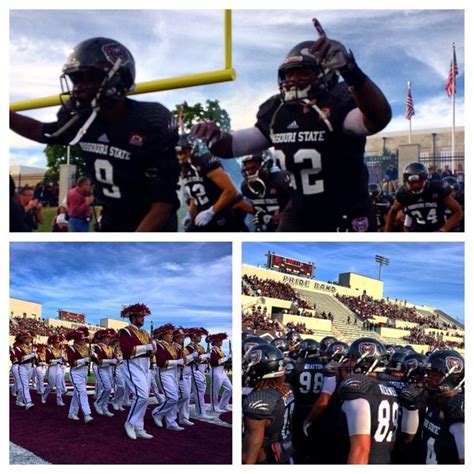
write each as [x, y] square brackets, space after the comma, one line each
[184, 383]
[16, 381]
[136, 348]
[103, 354]
[198, 376]
[26, 357]
[78, 357]
[168, 359]
[219, 380]
[55, 358]
[119, 380]
[40, 369]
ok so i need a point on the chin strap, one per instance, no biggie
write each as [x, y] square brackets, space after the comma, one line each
[312, 104]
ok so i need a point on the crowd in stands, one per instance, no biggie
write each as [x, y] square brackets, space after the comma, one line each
[435, 341]
[36, 327]
[299, 327]
[259, 319]
[252, 285]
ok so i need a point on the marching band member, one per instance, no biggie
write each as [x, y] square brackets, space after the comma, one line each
[168, 360]
[198, 371]
[15, 390]
[95, 366]
[40, 368]
[26, 355]
[137, 347]
[184, 377]
[55, 358]
[219, 378]
[78, 357]
[103, 354]
[119, 380]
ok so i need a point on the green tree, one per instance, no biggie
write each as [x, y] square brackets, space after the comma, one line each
[211, 111]
[56, 155]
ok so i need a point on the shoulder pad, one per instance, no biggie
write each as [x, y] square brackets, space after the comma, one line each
[269, 105]
[260, 404]
[455, 408]
[410, 397]
[354, 386]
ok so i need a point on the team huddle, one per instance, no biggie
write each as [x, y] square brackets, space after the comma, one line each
[327, 402]
[129, 367]
[302, 161]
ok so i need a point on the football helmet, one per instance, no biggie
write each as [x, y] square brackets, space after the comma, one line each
[414, 366]
[325, 342]
[395, 361]
[293, 338]
[337, 351]
[312, 81]
[262, 361]
[250, 342]
[375, 190]
[280, 343]
[390, 349]
[445, 371]
[254, 169]
[415, 177]
[452, 182]
[308, 349]
[368, 354]
[98, 69]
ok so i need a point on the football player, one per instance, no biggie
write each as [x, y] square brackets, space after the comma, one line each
[318, 127]
[424, 203]
[369, 407]
[128, 146]
[208, 189]
[381, 204]
[458, 195]
[266, 187]
[267, 409]
[305, 377]
[443, 426]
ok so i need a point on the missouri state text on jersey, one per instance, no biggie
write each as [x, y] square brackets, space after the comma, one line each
[132, 160]
[326, 166]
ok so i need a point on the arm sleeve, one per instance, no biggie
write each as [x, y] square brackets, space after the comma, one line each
[329, 385]
[358, 416]
[410, 421]
[457, 430]
[126, 344]
[248, 141]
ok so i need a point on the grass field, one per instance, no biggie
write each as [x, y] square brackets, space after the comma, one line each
[50, 212]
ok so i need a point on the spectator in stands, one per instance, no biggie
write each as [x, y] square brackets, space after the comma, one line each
[459, 175]
[447, 172]
[432, 173]
[392, 178]
[32, 208]
[79, 200]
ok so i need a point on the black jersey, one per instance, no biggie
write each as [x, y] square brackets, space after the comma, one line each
[459, 198]
[381, 206]
[204, 192]
[382, 407]
[273, 201]
[427, 208]
[438, 435]
[396, 382]
[306, 381]
[327, 171]
[269, 404]
[131, 162]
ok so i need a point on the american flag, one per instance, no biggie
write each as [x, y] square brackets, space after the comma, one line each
[453, 72]
[409, 110]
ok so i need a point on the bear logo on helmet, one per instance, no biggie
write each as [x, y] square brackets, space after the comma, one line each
[367, 348]
[454, 365]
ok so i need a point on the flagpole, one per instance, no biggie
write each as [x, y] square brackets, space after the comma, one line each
[409, 120]
[453, 102]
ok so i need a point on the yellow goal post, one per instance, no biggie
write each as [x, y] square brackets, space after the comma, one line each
[179, 82]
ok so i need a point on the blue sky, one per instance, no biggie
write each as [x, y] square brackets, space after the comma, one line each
[391, 46]
[185, 283]
[430, 273]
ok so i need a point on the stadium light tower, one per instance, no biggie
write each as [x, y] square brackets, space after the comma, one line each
[381, 261]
